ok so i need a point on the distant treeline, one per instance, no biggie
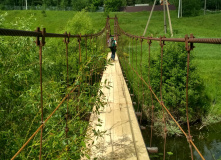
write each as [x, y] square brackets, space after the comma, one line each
[91, 5]
[109, 5]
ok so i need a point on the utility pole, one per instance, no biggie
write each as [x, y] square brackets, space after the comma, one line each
[179, 10]
[170, 24]
[205, 8]
[26, 4]
[145, 30]
[165, 22]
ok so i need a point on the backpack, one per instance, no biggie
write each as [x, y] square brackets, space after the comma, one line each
[113, 43]
[110, 42]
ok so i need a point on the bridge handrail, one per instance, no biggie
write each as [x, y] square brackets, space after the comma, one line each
[190, 40]
[37, 33]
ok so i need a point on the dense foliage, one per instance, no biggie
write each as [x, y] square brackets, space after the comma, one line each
[112, 5]
[190, 7]
[212, 4]
[174, 82]
[193, 7]
[20, 91]
[76, 5]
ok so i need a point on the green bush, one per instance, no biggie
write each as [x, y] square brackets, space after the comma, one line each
[174, 83]
[173, 79]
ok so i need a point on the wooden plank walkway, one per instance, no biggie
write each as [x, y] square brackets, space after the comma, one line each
[122, 139]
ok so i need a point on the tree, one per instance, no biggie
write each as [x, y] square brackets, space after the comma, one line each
[97, 3]
[78, 5]
[64, 4]
[138, 2]
[213, 4]
[112, 5]
[174, 83]
[130, 2]
[189, 7]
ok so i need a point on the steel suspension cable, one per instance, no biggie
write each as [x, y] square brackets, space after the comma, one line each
[86, 46]
[90, 78]
[86, 56]
[161, 96]
[142, 90]
[137, 80]
[152, 118]
[66, 40]
[95, 70]
[42, 119]
[79, 62]
[188, 48]
[41, 44]
[132, 64]
[127, 60]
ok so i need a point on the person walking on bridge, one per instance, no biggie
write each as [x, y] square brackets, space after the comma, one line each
[113, 47]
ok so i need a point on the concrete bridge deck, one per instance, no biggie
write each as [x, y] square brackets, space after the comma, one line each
[122, 138]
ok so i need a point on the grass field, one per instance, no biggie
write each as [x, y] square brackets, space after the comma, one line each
[200, 26]
[207, 57]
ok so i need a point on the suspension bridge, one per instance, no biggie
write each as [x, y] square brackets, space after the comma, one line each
[116, 119]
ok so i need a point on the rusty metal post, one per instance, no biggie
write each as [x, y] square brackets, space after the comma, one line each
[97, 73]
[152, 118]
[115, 27]
[79, 44]
[90, 66]
[161, 80]
[86, 55]
[161, 94]
[132, 61]
[79, 88]
[188, 49]
[41, 44]
[66, 41]
[86, 47]
[141, 42]
[108, 30]
[137, 79]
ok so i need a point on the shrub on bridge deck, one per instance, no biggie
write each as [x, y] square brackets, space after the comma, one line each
[174, 83]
